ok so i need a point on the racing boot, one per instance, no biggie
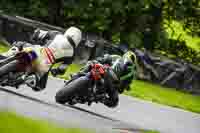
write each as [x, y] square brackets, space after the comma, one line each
[38, 82]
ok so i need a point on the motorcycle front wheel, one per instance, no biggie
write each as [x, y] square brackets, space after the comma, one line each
[5, 69]
[76, 87]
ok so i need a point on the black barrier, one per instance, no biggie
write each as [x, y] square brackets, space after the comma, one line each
[177, 74]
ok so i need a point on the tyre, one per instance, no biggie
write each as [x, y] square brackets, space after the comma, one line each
[76, 86]
[5, 69]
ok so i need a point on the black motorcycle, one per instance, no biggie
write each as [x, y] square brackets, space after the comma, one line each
[85, 88]
[16, 70]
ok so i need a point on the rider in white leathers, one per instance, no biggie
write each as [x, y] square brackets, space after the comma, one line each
[57, 48]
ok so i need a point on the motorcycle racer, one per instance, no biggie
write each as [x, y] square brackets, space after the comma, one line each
[60, 48]
[122, 74]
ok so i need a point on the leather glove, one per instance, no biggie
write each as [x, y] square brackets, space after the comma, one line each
[54, 72]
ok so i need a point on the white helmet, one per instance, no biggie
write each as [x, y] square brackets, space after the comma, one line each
[75, 34]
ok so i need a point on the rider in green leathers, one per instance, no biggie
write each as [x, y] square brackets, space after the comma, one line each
[119, 79]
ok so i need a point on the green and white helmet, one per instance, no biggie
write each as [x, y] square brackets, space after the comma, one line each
[130, 56]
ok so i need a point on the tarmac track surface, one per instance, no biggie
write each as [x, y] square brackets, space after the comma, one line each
[132, 114]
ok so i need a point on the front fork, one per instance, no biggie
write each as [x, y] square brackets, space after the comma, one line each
[93, 92]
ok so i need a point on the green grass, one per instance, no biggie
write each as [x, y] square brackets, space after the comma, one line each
[163, 95]
[177, 29]
[3, 47]
[12, 123]
[151, 132]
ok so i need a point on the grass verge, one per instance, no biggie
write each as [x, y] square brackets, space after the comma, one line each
[163, 95]
[12, 123]
[3, 47]
[151, 132]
